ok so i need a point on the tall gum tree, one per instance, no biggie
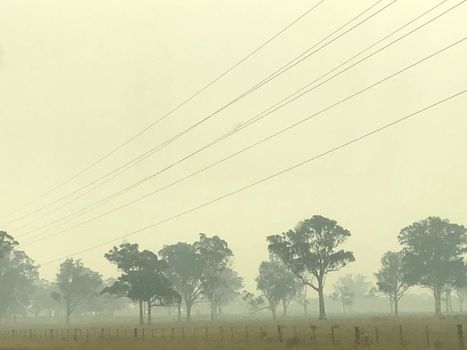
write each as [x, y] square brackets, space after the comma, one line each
[312, 249]
[433, 251]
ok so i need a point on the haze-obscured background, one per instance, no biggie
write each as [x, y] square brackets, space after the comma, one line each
[79, 77]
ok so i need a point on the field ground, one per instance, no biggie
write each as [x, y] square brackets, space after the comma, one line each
[359, 333]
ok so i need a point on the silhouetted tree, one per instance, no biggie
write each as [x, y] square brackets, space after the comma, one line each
[18, 275]
[143, 279]
[185, 272]
[348, 288]
[278, 285]
[390, 279]
[312, 248]
[433, 254]
[228, 290]
[76, 285]
[215, 257]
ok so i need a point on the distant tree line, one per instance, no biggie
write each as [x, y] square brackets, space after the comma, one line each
[183, 274]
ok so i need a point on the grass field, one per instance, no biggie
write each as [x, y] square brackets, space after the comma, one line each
[359, 333]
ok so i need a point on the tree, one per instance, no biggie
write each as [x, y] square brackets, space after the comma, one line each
[348, 288]
[460, 285]
[142, 279]
[433, 254]
[76, 285]
[18, 275]
[390, 279]
[312, 248]
[42, 299]
[228, 290]
[185, 272]
[215, 257]
[278, 285]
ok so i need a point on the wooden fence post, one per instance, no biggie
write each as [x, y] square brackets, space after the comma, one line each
[401, 335]
[333, 336]
[279, 333]
[357, 335]
[427, 335]
[376, 335]
[460, 337]
[261, 333]
[135, 333]
[313, 333]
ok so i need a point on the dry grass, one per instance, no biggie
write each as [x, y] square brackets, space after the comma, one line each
[376, 333]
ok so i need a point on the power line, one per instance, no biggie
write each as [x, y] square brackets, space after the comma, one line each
[278, 72]
[173, 110]
[254, 144]
[244, 188]
[258, 117]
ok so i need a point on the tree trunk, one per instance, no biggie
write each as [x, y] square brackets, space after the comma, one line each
[396, 306]
[437, 296]
[213, 308]
[322, 309]
[141, 319]
[305, 306]
[179, 312]
[343, 306]
[149, 312]
[188, 306]
[284, 307]
[68, 312]
[273, 311]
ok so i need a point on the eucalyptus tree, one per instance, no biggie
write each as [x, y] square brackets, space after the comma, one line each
[433, 251]
[185, 272]
[390, 279]
[18, 277]
[143, 278]
[313, 249]
[76, 285]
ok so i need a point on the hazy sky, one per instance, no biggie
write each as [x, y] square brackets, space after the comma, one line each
[77, 78]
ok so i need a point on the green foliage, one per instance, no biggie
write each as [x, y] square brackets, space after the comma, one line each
[215, 254]
[76, 285]
[391, 280]
[348, 288]
[143, 277]
[18, 275]
[312, 247]
[278, 284]
[433, 254]
[185, 272]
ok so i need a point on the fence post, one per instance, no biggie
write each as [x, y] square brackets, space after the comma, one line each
[135, 333]
[246, 332]
[376, 335]
[357, 335]
[221, 332]
[279, 333]
[313, 333]
[261, 333]
[333, 336]
[102, 333]
[401, 335]
[460, 337]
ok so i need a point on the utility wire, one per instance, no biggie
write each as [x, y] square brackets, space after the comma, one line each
[278, 72]
[260, 116]
[170, 112]
[270, 177]
[294, 125]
